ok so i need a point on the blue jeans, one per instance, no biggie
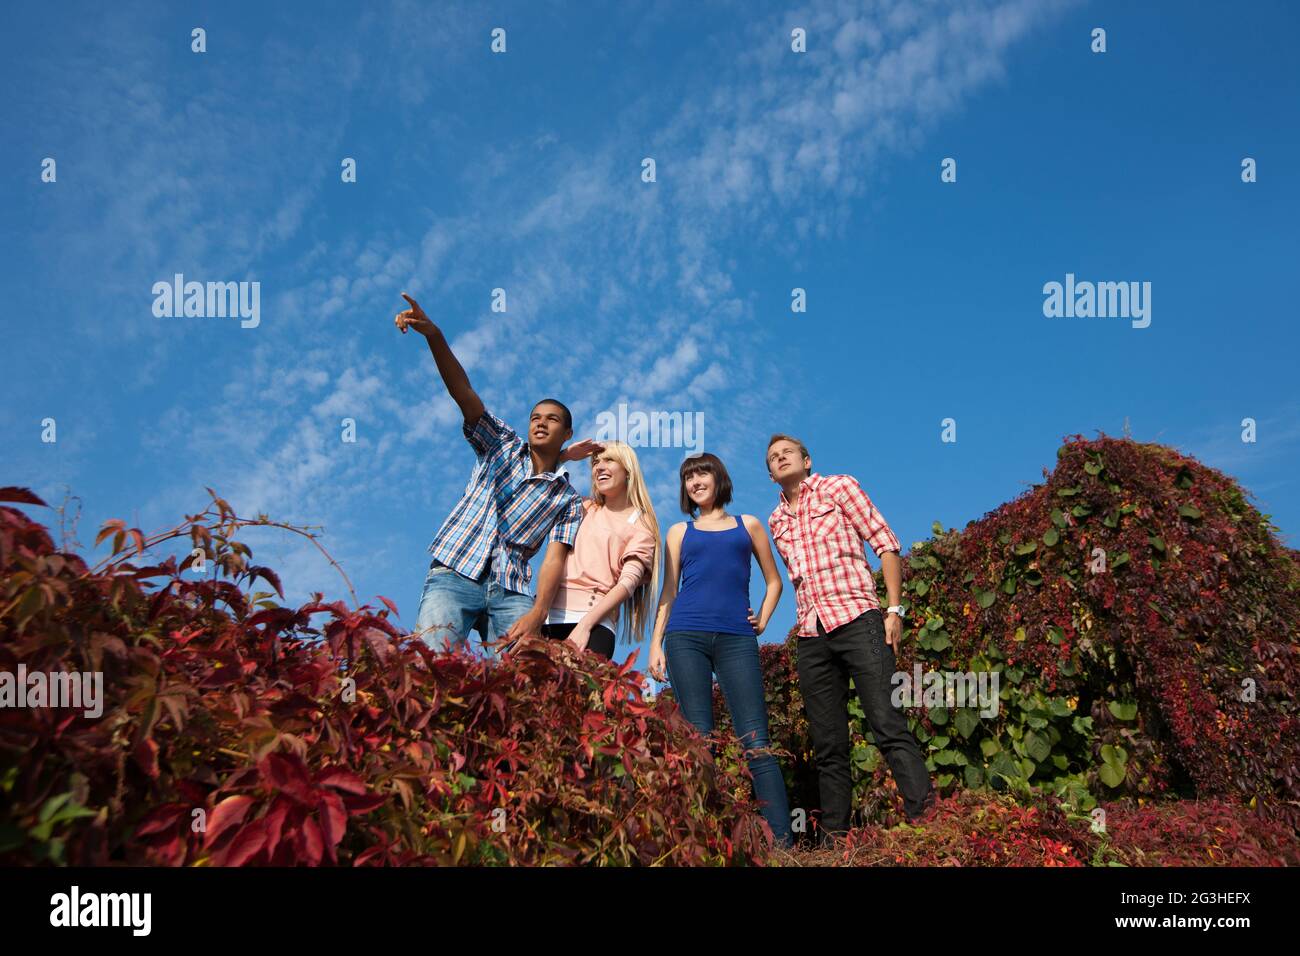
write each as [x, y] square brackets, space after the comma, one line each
[452, 605]
[693, 657]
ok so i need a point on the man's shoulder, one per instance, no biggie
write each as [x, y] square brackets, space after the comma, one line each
[493, 427]
[837, 484]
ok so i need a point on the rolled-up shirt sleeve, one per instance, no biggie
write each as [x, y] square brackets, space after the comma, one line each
[565, 529]
[867, 521]
[488, 434]
[637, 560]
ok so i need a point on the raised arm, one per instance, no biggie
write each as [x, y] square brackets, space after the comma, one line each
[449, 367]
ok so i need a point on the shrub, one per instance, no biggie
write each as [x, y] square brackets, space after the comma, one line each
[1131, 682]
[236, 731]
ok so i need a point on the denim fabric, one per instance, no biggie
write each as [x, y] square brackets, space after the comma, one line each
[693, 657]
[452, 605]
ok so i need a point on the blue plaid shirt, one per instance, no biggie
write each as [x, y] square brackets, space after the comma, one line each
[506, 511]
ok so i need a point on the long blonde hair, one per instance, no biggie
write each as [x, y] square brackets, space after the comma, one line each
[643, 599]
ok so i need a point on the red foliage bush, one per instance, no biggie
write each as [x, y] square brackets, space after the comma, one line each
[981, 828]
[1125, 683]
[238, 732]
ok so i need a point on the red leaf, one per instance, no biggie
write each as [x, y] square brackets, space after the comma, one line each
[310, 843]
[274, 824]
[333, 822]
[161, 819]
[359, 805]
[226, 814]
[387, 603]
[341, 779]
[270, 576]
[287, 774]
[246, 845]
[20, 495]
[146, 757]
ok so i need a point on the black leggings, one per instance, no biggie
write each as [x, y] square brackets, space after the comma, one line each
[602, 638]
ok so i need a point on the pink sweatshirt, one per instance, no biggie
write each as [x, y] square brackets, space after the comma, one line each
[609, 550]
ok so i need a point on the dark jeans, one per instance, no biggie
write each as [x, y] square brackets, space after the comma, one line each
[693, 657]
[826, 662]
[601, 642]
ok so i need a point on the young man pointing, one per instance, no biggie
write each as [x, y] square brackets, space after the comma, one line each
[515, 501]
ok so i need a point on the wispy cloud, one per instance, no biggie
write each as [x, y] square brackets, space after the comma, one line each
[618, 290]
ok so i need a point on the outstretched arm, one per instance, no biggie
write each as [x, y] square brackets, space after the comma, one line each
[449, 367]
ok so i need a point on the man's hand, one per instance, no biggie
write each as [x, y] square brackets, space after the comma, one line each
[528, 626]
[414, 318]
[893, 631]
[581, 449]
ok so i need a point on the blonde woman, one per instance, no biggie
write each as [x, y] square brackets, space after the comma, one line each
[614, 561]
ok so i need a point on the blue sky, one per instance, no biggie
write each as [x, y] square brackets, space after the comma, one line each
[522, 171]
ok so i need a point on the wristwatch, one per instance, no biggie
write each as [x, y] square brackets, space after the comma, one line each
[895, 609]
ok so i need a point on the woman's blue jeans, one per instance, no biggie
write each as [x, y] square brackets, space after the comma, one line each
[693, 658]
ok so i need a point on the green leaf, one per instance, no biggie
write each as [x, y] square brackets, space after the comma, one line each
[1080, 511]
[1067, 492]
[966, 721]
[1092, 467]
[921, 587]
[974, 776]
[1189, 511]
[1058, 518]
[989, 747]
[1029, 547]
[946, 758]
[1122, 711]
[1110, 775]
[1050, 537]
[1005, 766]
[986, 598]
[1157, 542]
[1037, 746]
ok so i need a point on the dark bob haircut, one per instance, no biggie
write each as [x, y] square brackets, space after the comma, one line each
[711, 464]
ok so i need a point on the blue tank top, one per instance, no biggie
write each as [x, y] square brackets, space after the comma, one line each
[713, 593]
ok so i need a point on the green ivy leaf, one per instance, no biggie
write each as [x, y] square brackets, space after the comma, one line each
[1122, 711]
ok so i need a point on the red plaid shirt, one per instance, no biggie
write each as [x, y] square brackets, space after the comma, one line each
[821, 544]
